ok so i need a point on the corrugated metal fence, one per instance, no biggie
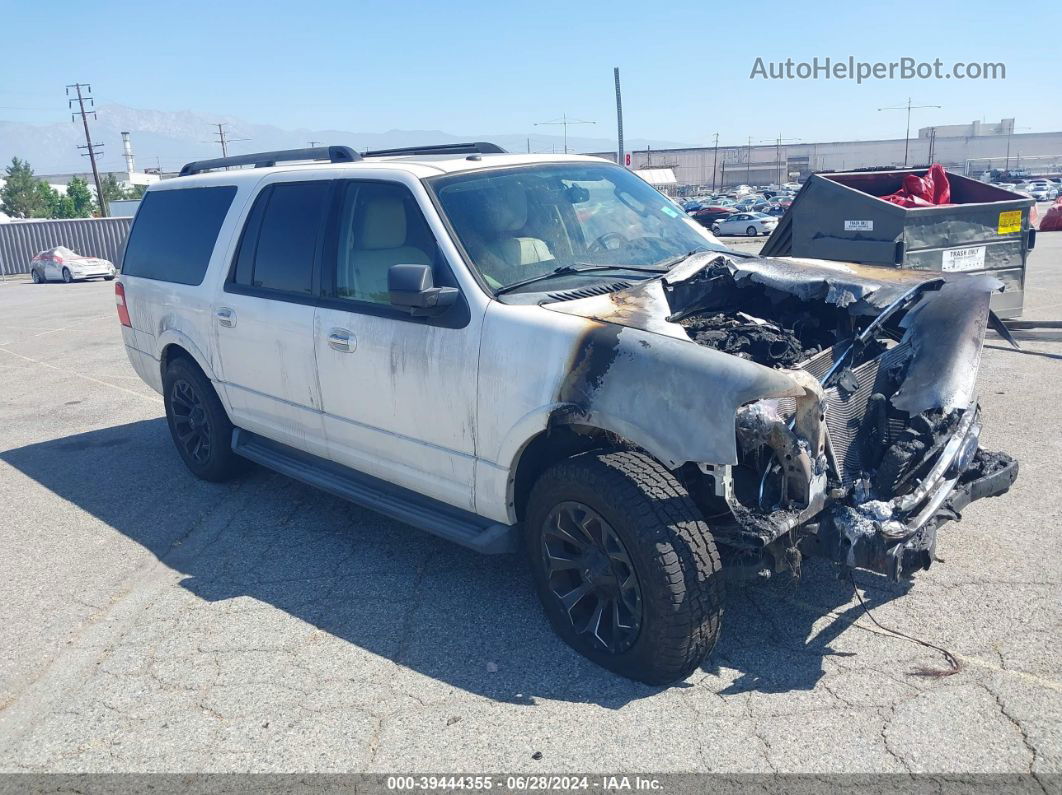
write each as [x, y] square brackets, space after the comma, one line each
[20, 241]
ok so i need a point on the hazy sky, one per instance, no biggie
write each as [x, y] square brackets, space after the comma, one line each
[469, 66]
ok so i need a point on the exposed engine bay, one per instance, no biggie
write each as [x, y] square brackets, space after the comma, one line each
[876, 468]
[877, 443]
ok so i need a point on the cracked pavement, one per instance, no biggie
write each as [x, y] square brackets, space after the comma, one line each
[157, 623]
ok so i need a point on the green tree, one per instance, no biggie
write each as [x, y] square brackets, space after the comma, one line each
[22, 195]
[52, 203]
[81, 200]
[113, 190]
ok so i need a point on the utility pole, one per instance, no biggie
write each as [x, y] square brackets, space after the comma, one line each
[778, 153]
[312, 144]
[748, 162]
[907, 138]
[225, 140]
[564, 122]
[715, 160]
[619, 120]
[89, 147]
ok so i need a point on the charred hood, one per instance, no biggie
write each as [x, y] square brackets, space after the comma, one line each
[783, 313]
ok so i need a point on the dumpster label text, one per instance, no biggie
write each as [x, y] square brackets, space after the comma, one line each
[858, 226]
[1010, 222]
[964, 259]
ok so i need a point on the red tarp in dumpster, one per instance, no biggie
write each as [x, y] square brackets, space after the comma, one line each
[1052, 218]
[928, 191]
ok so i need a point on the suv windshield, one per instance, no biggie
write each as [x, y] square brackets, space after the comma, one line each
[527, 222]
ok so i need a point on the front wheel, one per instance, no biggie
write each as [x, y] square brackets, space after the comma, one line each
[625, 566]
[751, 231]
[67, 276]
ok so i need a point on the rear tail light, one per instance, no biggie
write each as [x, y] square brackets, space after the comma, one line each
[119, 300]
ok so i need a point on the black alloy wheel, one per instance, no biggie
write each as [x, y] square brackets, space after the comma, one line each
[591, 575]
[191, 422]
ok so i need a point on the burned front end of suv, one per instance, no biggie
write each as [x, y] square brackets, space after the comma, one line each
[874, 442]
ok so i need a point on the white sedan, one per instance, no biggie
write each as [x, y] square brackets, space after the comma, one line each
[63, 264]
[750, 224]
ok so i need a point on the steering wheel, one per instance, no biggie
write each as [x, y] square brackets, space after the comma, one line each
[602, 242]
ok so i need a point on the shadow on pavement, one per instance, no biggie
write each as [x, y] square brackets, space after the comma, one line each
[443, 611]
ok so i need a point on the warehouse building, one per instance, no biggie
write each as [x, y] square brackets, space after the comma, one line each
[970, 149]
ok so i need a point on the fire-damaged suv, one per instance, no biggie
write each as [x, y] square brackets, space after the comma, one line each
[510, 350]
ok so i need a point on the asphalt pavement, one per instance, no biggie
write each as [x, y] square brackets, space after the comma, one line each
[153, 622]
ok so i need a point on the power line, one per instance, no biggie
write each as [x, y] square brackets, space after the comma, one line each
[89, 147]
[564, 122]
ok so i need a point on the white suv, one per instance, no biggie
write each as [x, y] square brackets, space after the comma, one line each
[511, 350]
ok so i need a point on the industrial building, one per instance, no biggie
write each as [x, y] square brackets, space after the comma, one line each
[970, 149]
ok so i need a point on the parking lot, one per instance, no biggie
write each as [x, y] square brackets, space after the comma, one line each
[153, 622]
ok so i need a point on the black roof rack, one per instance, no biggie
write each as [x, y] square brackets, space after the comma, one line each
[333, 154]
[474, 147]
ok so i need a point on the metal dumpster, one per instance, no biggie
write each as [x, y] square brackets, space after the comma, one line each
[840, 217]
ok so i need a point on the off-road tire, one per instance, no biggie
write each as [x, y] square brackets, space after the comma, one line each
[673, 554]
[67, 276]
[220, 463]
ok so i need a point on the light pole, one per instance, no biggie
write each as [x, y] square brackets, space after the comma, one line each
[907, 138]
[715, 160]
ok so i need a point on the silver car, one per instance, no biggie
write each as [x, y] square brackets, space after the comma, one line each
[750, 224]
[63, 264]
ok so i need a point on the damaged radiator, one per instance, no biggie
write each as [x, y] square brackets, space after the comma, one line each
[853, 434]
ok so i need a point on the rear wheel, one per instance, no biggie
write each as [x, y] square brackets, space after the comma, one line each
[624, 564]
[36, 276]
[198, 423]
[67, 276]
[751, 231]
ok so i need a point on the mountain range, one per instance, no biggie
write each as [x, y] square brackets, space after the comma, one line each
[171, 138]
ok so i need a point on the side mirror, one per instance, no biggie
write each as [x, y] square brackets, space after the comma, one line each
[412, 288]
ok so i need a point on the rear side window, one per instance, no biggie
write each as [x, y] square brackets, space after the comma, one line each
[279, 245]
[174, 233]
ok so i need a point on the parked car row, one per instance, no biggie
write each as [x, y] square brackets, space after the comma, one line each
[743, 211]
[1042, 189]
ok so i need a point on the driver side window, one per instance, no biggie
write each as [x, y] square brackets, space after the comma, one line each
[379, 225]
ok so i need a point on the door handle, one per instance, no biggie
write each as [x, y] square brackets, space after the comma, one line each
[340, 339]
[226, 317]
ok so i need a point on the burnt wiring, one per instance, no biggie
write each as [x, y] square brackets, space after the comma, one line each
[954, 666]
